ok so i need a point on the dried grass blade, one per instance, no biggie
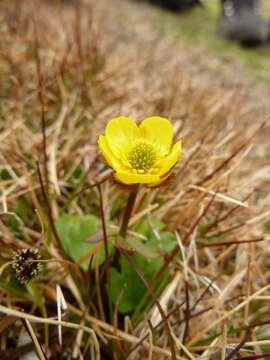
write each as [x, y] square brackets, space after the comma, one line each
[61, 304]
[32, 334]
[238, 347]
[234, 153]
[219, 195]
[227, 315]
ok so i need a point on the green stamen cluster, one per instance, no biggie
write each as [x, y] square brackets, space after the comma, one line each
[142, 156]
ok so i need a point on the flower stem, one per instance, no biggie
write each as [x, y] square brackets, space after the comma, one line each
[128, 210]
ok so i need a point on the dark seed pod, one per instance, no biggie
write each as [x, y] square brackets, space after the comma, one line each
[25, 264]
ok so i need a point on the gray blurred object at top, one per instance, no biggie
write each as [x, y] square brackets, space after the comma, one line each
[176, 5]
[241, 21]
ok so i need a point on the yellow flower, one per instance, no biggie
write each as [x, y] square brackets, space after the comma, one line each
[141, 154]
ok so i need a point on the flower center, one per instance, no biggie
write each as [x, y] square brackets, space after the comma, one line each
[142, 156]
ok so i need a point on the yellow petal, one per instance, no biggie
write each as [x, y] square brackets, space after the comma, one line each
[160, 181]
[111, 160]
[129, 178]
[120, 134]
[159, 132]
[169, 161]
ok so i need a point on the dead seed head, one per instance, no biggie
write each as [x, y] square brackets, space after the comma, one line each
[26, 269]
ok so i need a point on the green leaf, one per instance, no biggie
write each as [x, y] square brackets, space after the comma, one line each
[147, 302]
[116, 206]
[167, 241]
[267, 226]
[15, 227]
[37, 297]
[14, 287]
[142, 249]
[73, 229]
[77, 173]
[127, 276]
[4, 174]
[14, 222]
[263, 333]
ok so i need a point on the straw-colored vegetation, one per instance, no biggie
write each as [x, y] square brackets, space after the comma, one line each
[200, 242]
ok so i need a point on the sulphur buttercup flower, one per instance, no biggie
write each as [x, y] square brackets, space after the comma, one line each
[140, 154]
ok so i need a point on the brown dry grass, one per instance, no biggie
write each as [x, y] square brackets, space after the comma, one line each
[98, 62]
